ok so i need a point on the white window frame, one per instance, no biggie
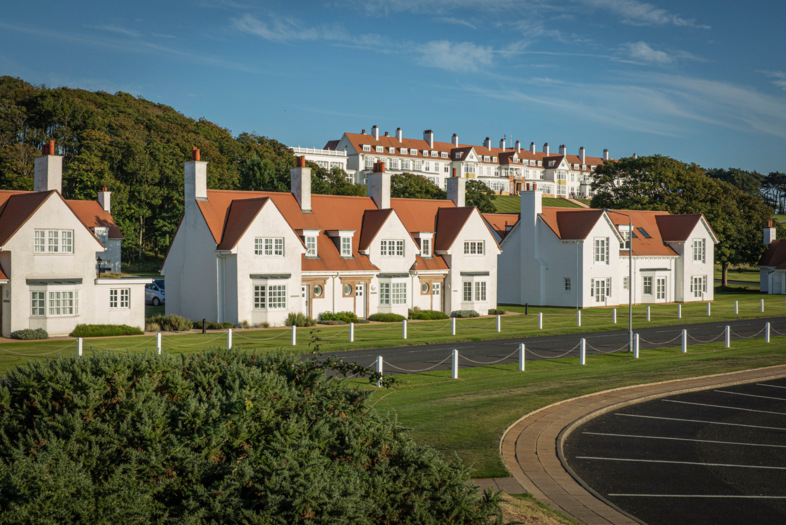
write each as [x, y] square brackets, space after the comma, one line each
[120, 298]
[699, 250]
[698, 286]
[38, 303]
[392, 293]
[600, 289]
[346, 246]
[660, 288]
[62, 303]
[646, 285]
[392, 247]
[474, 247]
[269, 296]
[269, 246]
[366, 147]
[425, 247]
[311, 246]
[59, 242]
[601, 250]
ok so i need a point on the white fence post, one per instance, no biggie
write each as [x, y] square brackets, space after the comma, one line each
[679, 311]
[614, 315]
[540, 320]
[351, 332]
[635, 346]
[229, 339]
[684, 341]
[404, 329]
[79, 347]
[454, 375]
[452, 326]
[294, 335]
[708, 310]
[379, 370]
[583, 352]
[578, 317]
[499, 323]
[522, 357]
[767, 332]
[648, 313]
[728, 336]
[158, 343]
[736, 307]
[762, 305]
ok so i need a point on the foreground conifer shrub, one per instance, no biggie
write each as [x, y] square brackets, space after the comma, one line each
[213, 437]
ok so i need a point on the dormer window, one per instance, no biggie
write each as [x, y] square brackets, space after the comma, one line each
[459, 154]
[366, 147]
[444, 155]
[425, 153]
[425, 247]
[346, 246]
[380, 149]
[486, 159]
[311, 246]
[434, 153]
[391, 150]
[403, 151]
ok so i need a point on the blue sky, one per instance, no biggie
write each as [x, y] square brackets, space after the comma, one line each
[702, 81]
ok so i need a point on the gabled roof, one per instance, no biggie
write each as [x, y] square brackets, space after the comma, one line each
[570, 223]
[501, 222]
[450, 221]
[93, 215]
[774, 255]
[373, 220]
[677, 228]
[240, 215]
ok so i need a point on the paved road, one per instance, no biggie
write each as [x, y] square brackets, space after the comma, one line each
[479, 353]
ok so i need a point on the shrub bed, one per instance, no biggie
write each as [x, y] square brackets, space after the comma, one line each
[214, 437]
[464, 313]
[426, 315]
[300, 320]
[386, 318]
[347, 317]
[102, 330]
[169, 323]
[496, 311]
[211, 325]
[29, 333]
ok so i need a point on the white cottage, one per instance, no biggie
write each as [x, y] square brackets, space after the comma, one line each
[257, 256]
[580, 257]
[48, 259]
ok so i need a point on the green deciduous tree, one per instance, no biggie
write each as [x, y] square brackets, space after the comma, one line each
[410, 186]
[480, 195]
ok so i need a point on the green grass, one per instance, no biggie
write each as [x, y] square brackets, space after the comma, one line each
[512, 203]
[467, 416]
[780, 218]
[748, 275]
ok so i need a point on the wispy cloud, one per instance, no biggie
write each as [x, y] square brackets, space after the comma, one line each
[455, 56]
[116, 29]
[642, 13]
[778, 78]
[279, 29]
[642, 51]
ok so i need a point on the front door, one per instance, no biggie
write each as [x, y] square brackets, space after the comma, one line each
[436, 297]
[304, 300]
[360, 299]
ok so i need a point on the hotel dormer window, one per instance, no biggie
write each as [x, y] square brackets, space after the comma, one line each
[346, 246]
[366, 147]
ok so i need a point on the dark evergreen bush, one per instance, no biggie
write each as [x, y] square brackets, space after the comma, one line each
[100, 330]
[170, 323]
[213, 437]
[211, 325]
[386, 318]
[496, 311]
[29, 333]
[347, 317]
[426, 315]
[464, 313]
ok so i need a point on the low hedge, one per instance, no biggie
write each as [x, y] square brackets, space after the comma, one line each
[386, 318]
[464, 313]
[29, 333]
[496, 311]
[170, 323]
[211, 325]
[427, 315]
[103, 330]
[299, 319]
[347, 317]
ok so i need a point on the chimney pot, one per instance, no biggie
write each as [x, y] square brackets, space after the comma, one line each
[606, 154]
[455, 140]
[518, 146]
[362, 131]
[195, 153]
[48, 171]
[375, 131]
[300, 162]
[546, 148]
[387, 134]
[399, 135]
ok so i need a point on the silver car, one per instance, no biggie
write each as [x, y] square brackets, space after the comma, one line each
[154, 293]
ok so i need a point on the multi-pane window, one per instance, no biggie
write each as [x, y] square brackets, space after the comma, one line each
[366, 147]
[425, 247]
[270, 297]
[698, 286]
[346, 246]
[269, 246]
[660, 288]
[699, 250]
[647, 285]
[480, 290]
[600, 289]
[311, 246]
[120, 298]
[436, 288]
[392, 293]
[63, 303]
[474, 247]
[38, 302]
[54, 241]
[392, 248]
[625, 282]
[567, 284]
[601, 250]
[467, 291]
[625, 244]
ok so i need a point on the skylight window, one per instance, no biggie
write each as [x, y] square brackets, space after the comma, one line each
[644, 233]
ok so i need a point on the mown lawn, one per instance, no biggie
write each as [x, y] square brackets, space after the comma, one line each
[748, 275]
[512, 203]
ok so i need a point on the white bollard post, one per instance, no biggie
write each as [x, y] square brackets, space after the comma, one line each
[578, 317]
[452, 326]
[499, 323]
[684, 341]
[583, 352]
[635, 346]
[158, 343]
[229, 339]
[294, 335]
[522, 357]
[79, 347]
[614, 315]
[455, 364]
[540, 320]
[351, 332]
[379, 370]
[679, 311]
[648, 313]
[736, 307]
[762, 305]
[767, 333]
[708, 310]
[728, 336]
[404, 329]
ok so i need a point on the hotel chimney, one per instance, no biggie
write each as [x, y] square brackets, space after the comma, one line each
[300, 184]
[606, 154]
[378, 186]
[456, 187]
[546, 148]
[502, 144]
[375, 131]
[399, 135]
[104, 199]
[563, 150]
[532, 147]
[428, 136]
[48, 174]
[769, 233]
[582, 157]
[195, 179]
[454, 140]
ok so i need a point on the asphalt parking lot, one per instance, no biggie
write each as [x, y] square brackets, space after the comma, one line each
[715, 456]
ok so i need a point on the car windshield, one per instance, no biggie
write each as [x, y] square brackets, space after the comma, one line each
[160, 283]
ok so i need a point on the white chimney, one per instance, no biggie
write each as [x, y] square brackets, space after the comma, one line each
[606, 154]
[375, 132]
[455, 140]
[532, 147]
[531, 207]
[546, 148]
[428, 136]
[456, 187]
[196, 179]
[769, 233]
[300, 183]
[563, 150]
[399, 135]
[487, 143]
[518, 146]
[104, 200]
[582, 157]
[502, 144]
[378, 186]
[48, 170]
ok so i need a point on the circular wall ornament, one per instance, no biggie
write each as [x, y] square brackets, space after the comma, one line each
[317, 290]
[347, 289]
[424, 288]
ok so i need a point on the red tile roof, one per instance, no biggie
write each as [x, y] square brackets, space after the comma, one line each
[774, 255]
[93, 215]
[501, 222]
[677, 227]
